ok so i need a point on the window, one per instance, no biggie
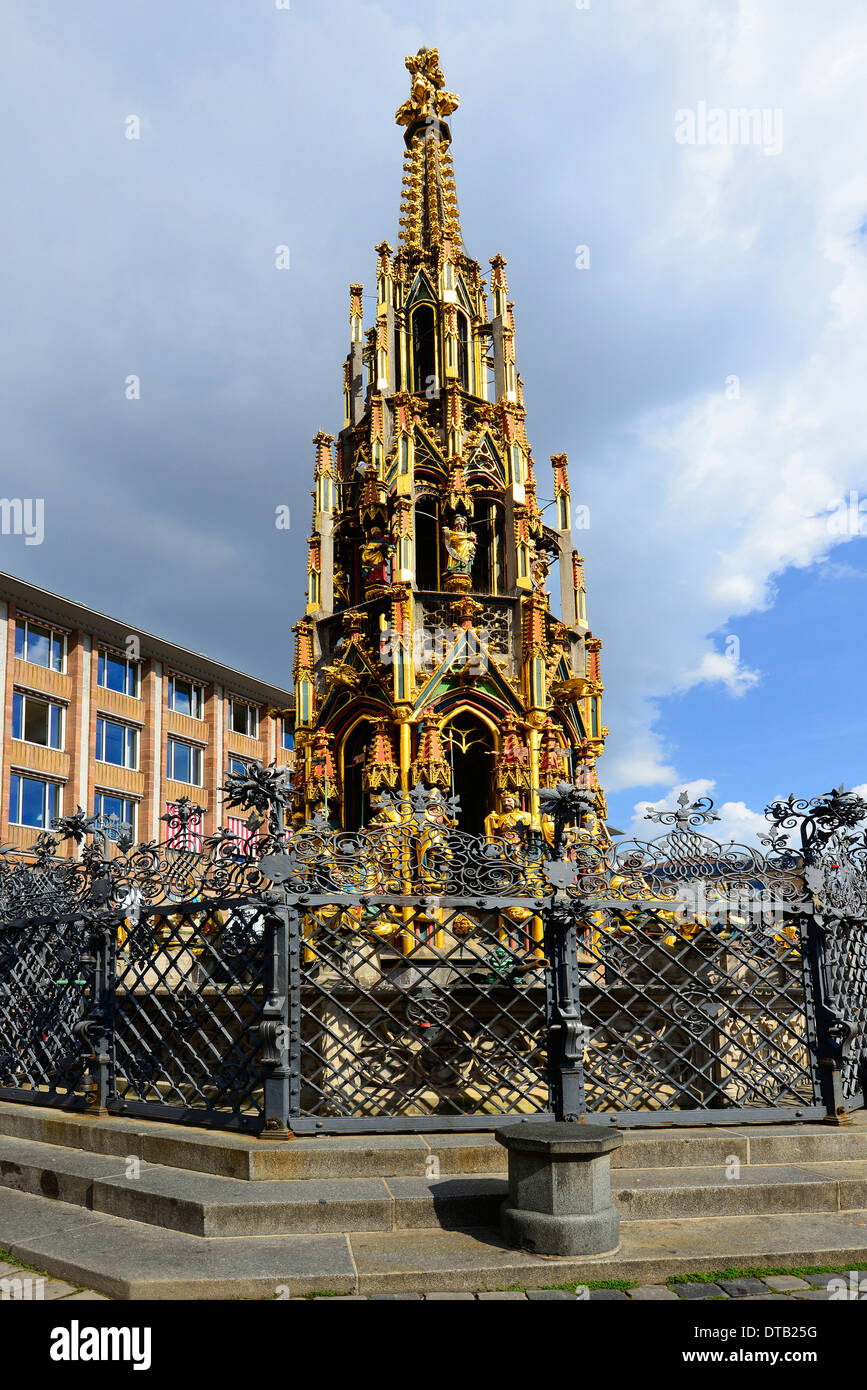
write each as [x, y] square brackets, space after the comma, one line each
[488, 378]
[488, 568]
[463, 352]
[186, 697]
[398, 377]
[287, 736]
[424, 350]
[118, 673]
[428, 543]
[594, 717]
[32, 801]
[116, 743]
[37, 721]
[180, 835]
[239, 766]
[243, 718]
[42, 646]
[118, 813]
[184, 763]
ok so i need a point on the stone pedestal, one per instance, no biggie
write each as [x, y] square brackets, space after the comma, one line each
[559, 1200]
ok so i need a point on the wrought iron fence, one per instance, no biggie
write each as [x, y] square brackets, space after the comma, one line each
[43, 1002]
[418, 1009]
[187, 1011]
[411, 976]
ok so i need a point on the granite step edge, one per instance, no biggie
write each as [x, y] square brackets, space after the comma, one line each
[113, 1257]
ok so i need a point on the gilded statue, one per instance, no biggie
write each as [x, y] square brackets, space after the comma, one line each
[508, 824]
[375, 555]
[460, 544]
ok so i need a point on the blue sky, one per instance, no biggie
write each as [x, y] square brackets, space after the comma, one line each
[705, 373]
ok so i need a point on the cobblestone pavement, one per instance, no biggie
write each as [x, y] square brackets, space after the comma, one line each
[17, 1283]
[26, 1284]
[773, 1288]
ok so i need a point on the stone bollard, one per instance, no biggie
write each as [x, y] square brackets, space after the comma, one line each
[559, 1200]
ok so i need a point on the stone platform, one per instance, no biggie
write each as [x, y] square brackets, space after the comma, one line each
[136, 1209]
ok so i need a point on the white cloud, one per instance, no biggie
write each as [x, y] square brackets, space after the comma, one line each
[735, 820]
[718, 494]
[716, 666]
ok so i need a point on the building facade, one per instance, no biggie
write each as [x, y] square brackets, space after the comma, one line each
[100, 715]
[429, 652]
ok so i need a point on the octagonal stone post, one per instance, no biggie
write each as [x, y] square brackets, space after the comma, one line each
[559, 1200]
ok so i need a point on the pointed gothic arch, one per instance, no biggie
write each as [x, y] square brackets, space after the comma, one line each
[353, 751]
[484, 461]
[425, 357]
[470, 743]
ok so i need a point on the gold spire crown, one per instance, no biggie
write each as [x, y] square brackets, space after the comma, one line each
[427, 97]
[429, 205]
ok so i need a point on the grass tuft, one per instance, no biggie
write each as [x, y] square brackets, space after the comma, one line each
[760, 1272]
[622, 1284]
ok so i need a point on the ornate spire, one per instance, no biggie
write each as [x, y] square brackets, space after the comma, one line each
[430, 204]
[430, 768]
[380, 769]
[552, 768]
[428, 534]
[512, 769]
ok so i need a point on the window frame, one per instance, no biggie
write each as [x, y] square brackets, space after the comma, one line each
[131, 802]
[131, 741]
[133, 667]
[19, 698]
[197, 761]
[55, 634]
[244, 764]
[197, 695]
[48, 814]
[252, 717]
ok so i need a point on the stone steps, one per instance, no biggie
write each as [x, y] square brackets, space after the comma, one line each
[199, 1214]
[233, 1155]
[130, 1260]
[205, 1205]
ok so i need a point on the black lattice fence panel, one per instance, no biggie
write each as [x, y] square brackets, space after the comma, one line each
[188, 1004]
[846, 973]
[43, 985]
[695, 1017]
[405, 1010]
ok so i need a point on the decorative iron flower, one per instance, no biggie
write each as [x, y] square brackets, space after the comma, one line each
[841, 807]
[76, 827]
[566, 801]
[265, 790]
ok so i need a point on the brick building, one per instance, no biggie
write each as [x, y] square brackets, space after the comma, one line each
[97, 713]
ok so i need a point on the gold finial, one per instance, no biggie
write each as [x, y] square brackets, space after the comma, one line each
[427, 97]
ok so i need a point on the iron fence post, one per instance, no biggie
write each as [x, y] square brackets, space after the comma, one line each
[274, 1027]
[95, 1029]
[832, 1032]
[296, 942]
[565, 1032]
